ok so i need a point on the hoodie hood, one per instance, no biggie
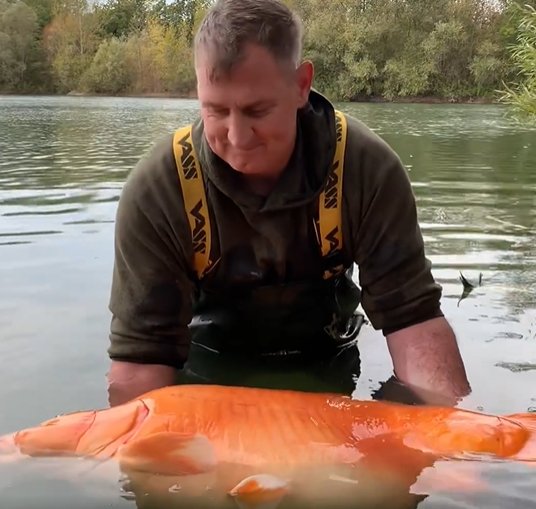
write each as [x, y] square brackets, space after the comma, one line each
[304, 176]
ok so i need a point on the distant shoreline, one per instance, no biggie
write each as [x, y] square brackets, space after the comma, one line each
[193, 95]
[427, 100]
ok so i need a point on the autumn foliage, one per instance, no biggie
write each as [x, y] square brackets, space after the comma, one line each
[362, 49]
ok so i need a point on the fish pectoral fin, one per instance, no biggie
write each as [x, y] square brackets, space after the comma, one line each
[261, 491]
[168, 453]
[342, 479]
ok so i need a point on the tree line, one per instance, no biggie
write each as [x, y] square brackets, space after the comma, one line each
[362, 49]
[521, 94]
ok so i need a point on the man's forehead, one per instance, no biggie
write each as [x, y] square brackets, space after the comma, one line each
[249, 84]
[240, 90]
[248, 103]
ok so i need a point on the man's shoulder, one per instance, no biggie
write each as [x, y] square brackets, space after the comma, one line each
[156, 170]
[154, 167]
[151, 198]
[369, 159]
[362, 140]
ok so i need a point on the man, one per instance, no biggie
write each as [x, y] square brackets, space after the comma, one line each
[241, 265]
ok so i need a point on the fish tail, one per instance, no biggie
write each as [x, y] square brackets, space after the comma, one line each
[527, 454]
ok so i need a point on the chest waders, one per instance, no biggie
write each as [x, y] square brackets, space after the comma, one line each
[312, 324]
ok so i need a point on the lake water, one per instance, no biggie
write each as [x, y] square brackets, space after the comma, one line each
[63, 161]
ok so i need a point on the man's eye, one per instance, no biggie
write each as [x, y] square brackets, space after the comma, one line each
[218, 112]
[257, 113]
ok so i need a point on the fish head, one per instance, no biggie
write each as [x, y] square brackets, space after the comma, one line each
[55, 437]
[96, 434]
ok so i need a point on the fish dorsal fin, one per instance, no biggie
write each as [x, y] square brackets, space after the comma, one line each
[261, 491]
[168, 453]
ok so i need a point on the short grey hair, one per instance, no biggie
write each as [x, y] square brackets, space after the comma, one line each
[231, 25]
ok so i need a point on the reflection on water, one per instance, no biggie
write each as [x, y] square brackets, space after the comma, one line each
[62, 164]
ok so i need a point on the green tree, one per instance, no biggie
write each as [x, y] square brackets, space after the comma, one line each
[108, 72]
[521, 95]
[18, 31]
[71, 41]
[362, 49]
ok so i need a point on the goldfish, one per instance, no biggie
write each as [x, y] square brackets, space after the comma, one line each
[262, 448]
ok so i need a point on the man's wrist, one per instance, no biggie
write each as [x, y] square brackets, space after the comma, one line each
[398, 392]
[128, 380]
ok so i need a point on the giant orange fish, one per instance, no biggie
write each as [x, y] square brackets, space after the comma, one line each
[262, 447]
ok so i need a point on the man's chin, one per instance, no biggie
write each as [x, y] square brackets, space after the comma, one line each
[247, 168]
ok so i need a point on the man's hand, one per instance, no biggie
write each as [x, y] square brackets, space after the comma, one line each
[127, 380]
[427, 360]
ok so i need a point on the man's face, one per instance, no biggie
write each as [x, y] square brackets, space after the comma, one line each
[250, 115]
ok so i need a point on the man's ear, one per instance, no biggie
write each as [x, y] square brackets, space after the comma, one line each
[304, 76]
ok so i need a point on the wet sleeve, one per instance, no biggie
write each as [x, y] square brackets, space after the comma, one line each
[150, 292]
[398, 289]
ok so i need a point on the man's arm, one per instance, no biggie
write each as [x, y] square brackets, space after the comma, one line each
[427, 360]
[150, 294]
[127, 380]
[399, 293]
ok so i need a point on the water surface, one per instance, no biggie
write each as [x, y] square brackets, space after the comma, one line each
[63, 161]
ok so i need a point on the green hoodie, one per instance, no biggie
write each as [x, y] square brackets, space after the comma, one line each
[266, 293]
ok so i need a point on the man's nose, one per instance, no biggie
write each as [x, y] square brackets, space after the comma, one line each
[239, 132]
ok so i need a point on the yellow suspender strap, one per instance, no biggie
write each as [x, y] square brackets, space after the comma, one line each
[329, 229]
[195, 201]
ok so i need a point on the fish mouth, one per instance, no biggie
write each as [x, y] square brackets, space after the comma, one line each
[9, 451]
